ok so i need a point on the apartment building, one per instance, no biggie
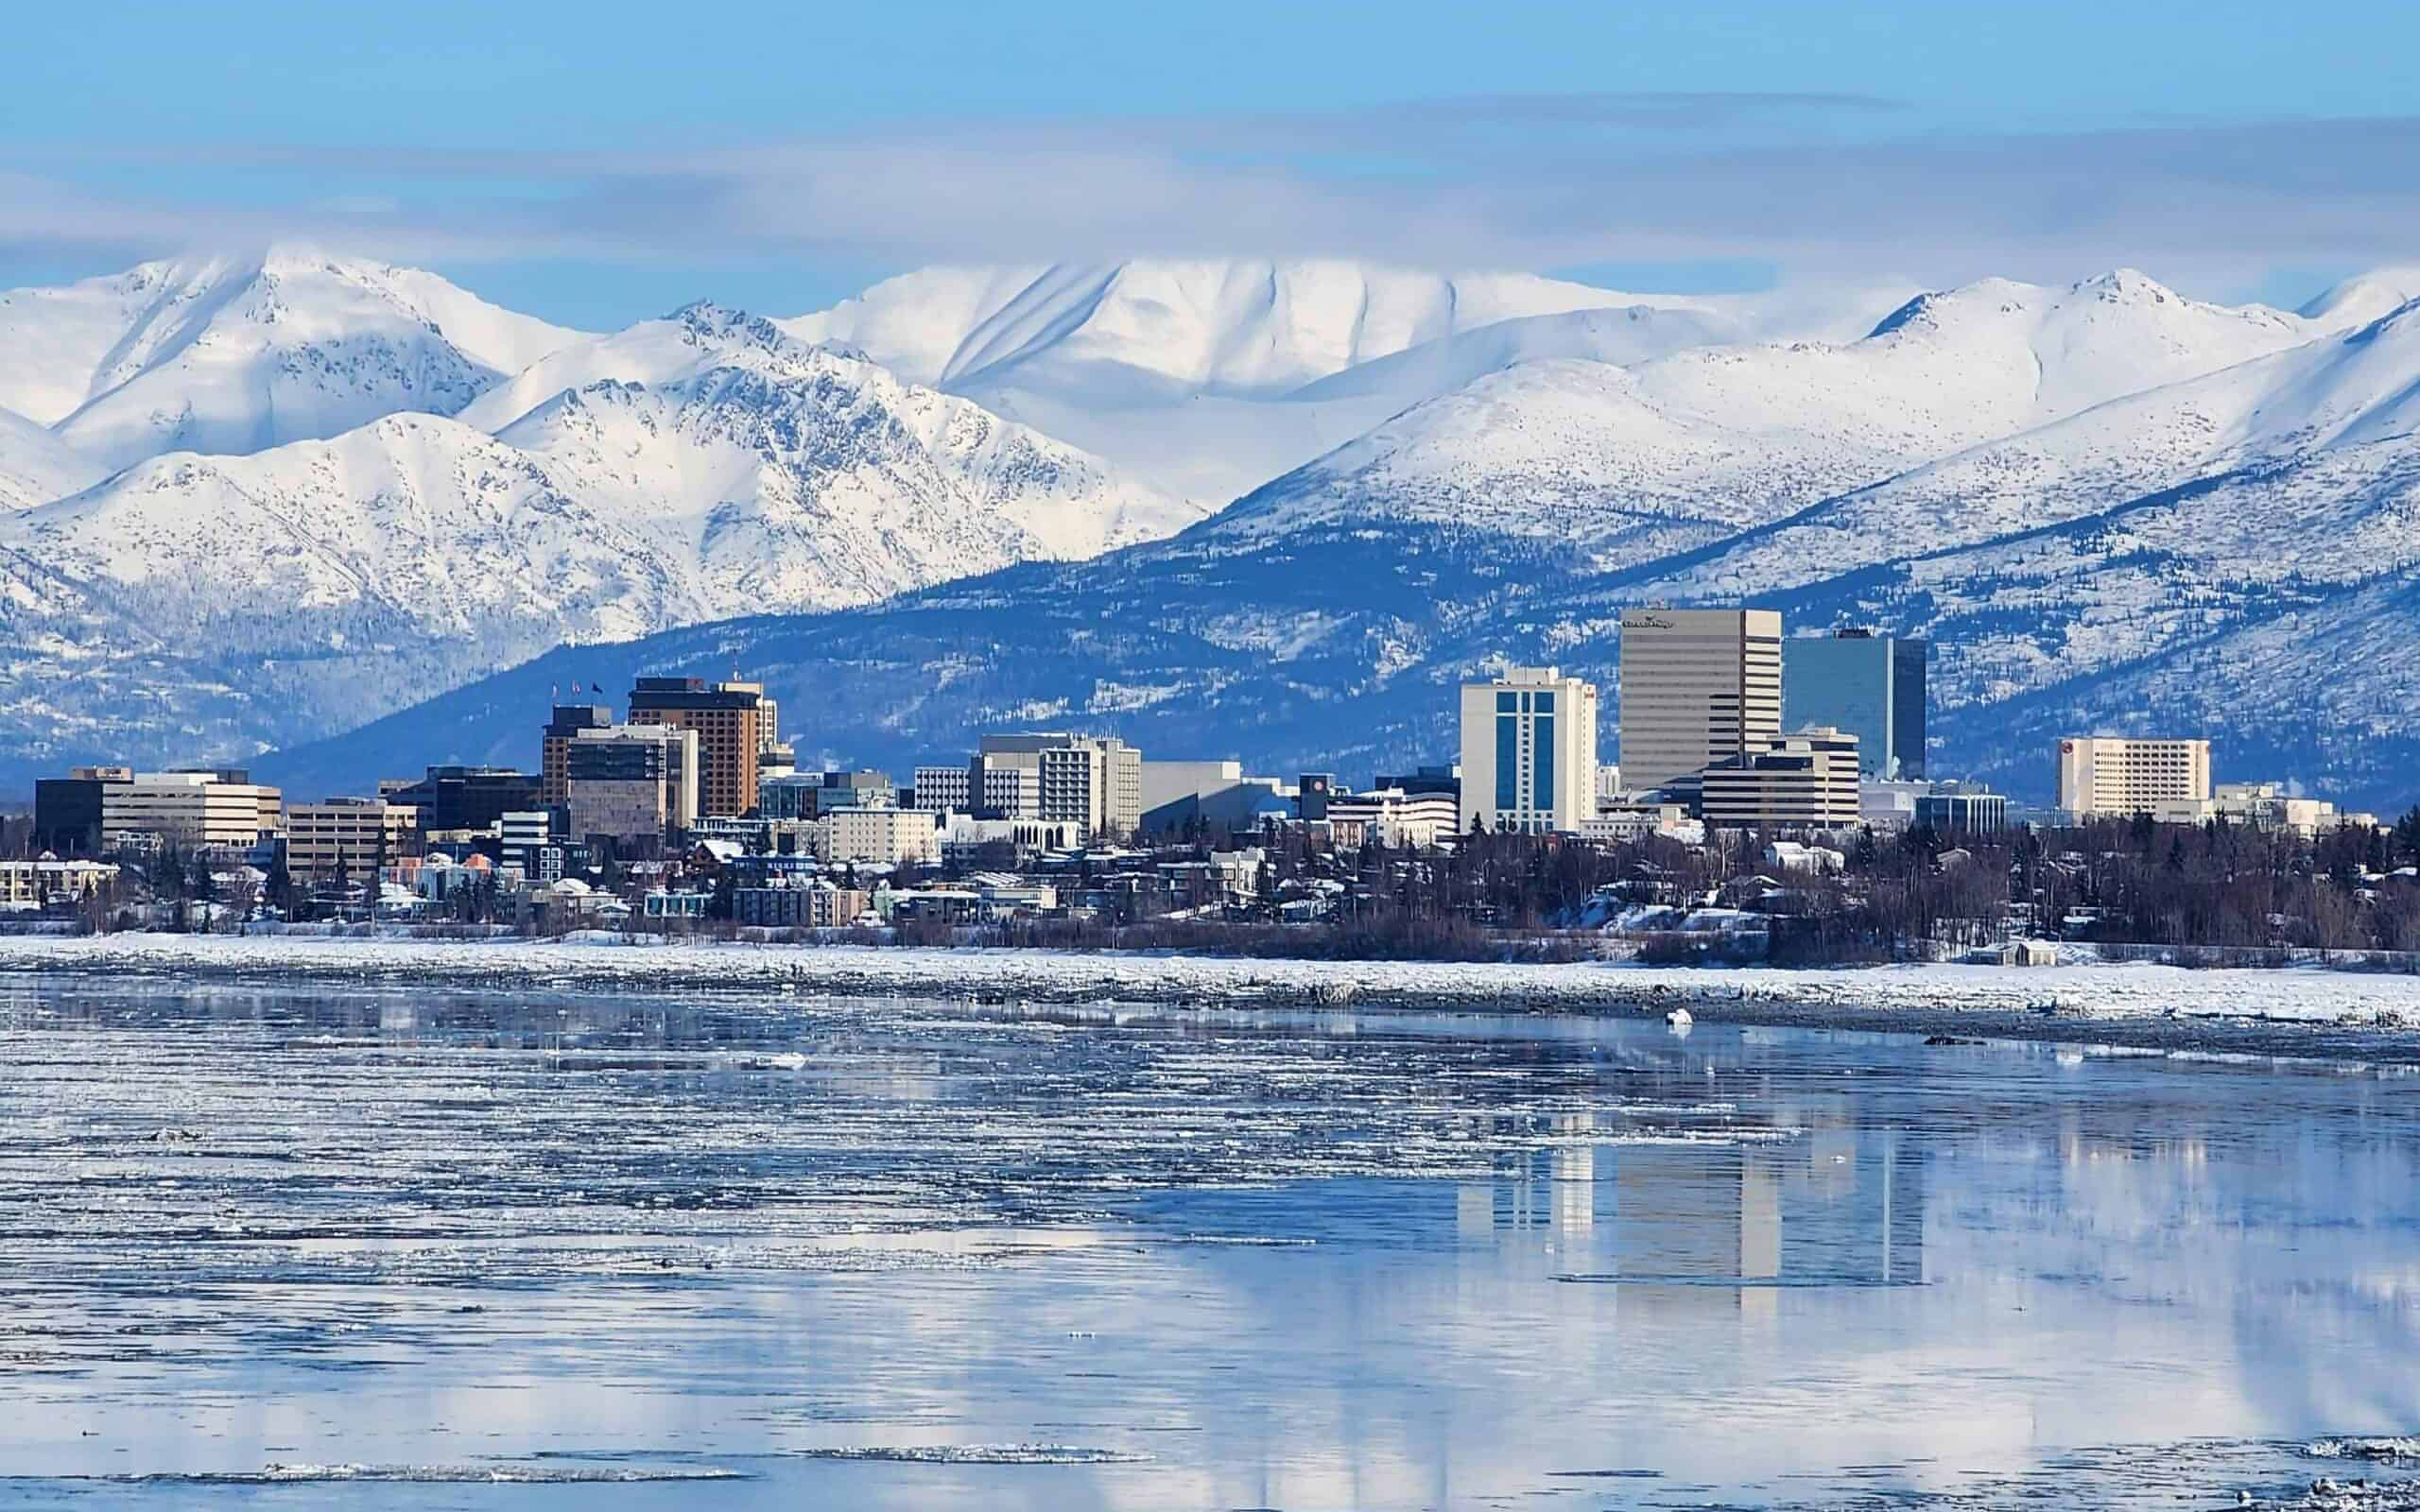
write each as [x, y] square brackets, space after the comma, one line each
[1698, 686]
[1806, 779]
[882, 836]
[1529, 752]
[2111, 776]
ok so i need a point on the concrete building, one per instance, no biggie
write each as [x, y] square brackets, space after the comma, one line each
[1803, 780]
[1217, 796]
[1963, 810]
[630, 782]
[940, 789]
[2268, 806]
[1393, 818]
[1091, 780]
[882, 836]
[1872, 686]
[2113, 777]
[553, 750]
[529, 842]
[203, 807]
[967, 837]
[1529, 752]
[1699, 686]
[349, 837]
[729, 719]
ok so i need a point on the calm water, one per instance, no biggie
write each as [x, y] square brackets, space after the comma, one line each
[385, 1249]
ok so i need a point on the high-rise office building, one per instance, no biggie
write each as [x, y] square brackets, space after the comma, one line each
[347, 837]
[728, 719]
[1872, 686]
[568, 721]
[2111, 776]
[1699, 686]
[629, 782]
[1529, 751]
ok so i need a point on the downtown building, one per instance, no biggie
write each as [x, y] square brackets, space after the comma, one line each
[630, 783]
[2113, 777]
[729, 718]
[1698, 686]
[1093, 782]
[96, 808]
[1529, 752]
[1807, 780]
[1870, 686]
[348, 839]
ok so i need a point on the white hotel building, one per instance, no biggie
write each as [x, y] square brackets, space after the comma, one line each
[1530, 751]
[2109, 776]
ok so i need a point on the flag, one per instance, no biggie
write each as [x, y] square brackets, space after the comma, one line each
[596, 687]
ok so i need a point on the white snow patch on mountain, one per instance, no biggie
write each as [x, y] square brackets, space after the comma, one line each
[35, 465]
[230, 354]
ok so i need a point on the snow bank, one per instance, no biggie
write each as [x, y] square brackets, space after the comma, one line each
[2105, 992]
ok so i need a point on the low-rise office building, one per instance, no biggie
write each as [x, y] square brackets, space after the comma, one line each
[94, 808]
[1392, 818]
[1807, 780]
[350, 838]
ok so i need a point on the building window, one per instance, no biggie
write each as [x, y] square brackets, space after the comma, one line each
[1542, 770]
[1507, 761]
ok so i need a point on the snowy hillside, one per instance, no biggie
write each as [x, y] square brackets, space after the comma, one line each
[240, 355]
[391, 562]
[35, 465]
[1626, 464]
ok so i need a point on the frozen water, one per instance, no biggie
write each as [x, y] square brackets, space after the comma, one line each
[443, 1245]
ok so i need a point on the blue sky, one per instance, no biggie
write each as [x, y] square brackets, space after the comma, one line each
[597, 163]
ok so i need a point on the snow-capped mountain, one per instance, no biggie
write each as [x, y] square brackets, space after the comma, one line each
[2231, 551]
[239, 354]
[386, 563]
[1211, 377]
[36, 465]
[1624, 464]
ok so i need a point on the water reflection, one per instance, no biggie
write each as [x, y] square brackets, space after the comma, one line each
[1224, 1260]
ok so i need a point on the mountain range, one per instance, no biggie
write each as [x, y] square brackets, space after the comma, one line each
[975, 497]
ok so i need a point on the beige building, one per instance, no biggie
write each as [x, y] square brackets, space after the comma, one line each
[191, 808]
[2110, 775]
[346, 836]
[1529, 752]
[1807, 780]
[1095, 781]
[31, 884]
[1392, 817]
[870, 835]
[1699, 686]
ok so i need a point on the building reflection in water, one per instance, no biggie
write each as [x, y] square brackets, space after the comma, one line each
[1702, 1227]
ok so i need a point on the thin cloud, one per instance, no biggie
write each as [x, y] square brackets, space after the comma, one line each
[1812, 184]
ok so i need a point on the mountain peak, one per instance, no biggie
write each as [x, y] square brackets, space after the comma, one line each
[2364, 297]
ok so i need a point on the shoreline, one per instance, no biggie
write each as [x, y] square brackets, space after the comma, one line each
[2293, 1012]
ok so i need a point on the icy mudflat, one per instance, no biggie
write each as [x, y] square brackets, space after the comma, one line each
[395, 1243]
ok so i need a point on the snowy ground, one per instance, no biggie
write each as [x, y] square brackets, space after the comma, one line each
[2070, 998]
